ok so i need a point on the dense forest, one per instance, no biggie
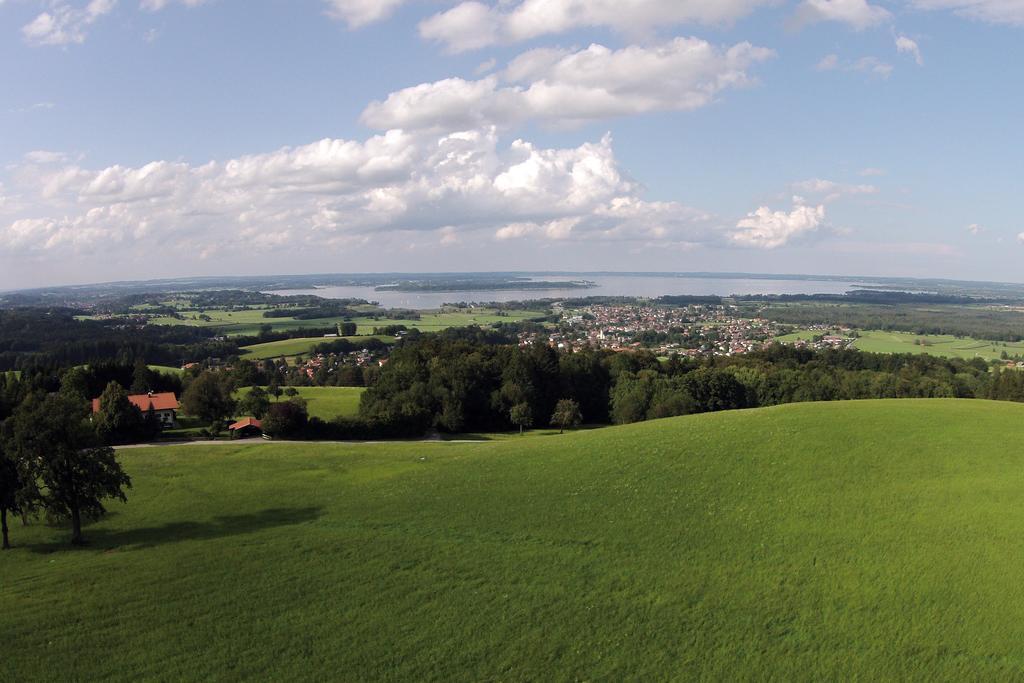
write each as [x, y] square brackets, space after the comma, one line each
[30, 337]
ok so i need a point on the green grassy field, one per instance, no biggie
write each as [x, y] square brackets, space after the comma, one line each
[294, 347]
[947, 346]
[844, 541]
[938, 345]
[326, 403]
[167, 370]
[434, 322]
[248, 322]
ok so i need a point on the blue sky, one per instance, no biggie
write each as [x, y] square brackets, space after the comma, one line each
[158, 138]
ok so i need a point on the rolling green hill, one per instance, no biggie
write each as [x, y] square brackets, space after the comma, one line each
[866, 540]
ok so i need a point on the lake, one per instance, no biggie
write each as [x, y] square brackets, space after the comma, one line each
[607, 285]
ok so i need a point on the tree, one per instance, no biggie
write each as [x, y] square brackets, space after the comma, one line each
[255, 403]
[522, 416]
[58, 447]
[142, 378]
[10, 486]
[118, 420]
[291, 392]
[567, 415]
[286, 418]
[75, 382]
[208, 399]
[274, 389]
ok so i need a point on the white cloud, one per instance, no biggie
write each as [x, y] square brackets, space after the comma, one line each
[42, 157]
[358, 13]
[473, 25]
[975, 229]
[157, 5]
[1020, 238]
[64, 24]
[828, 191]
[869, 65]
[828, 63]
[993, 11]
[329, 195]
[560, 87]
[869, 172]
[767, 229]
[486, 66]
[35, 106]
[858, 14]
[905, 45]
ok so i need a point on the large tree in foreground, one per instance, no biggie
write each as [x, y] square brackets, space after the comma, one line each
[10, 486]
[53, 440]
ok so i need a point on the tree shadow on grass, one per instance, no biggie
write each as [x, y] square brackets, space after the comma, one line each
[111, 540]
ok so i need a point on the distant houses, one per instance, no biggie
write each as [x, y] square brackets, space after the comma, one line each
[164, 405]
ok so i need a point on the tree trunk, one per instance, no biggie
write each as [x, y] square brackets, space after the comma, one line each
[76, 527]
[520, 430]
[3, 525]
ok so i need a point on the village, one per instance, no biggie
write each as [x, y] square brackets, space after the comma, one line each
[695, 330]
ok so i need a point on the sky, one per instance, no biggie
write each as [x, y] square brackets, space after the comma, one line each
[162, 138]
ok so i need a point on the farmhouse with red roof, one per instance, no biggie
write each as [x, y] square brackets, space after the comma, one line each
[165, 406]
[247, 426]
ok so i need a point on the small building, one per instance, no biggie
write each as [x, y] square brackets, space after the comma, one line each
[164, 405]
[247, 426]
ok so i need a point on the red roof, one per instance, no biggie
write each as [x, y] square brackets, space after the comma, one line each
[165, 401]
[246, 422]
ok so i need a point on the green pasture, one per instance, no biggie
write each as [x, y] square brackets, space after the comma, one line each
[437, 321]
[295, 347]
[843, 541]
[248, 322]
[167, 369]
[947, 346]
[326, 403]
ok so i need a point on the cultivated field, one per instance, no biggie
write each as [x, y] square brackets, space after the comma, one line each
[938, 345]
[870, 540]
[946, 346]
[248, 322]
[295, 347]
[326, 403]
[435, 322]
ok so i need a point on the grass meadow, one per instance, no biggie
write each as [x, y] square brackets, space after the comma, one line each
[248, 322]
[943, 345]
[326, 403]
[875, 540]
[295, 347]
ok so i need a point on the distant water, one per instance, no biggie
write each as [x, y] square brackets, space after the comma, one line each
[611, 285]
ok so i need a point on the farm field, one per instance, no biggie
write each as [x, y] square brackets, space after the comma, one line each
[938, 345]
[294, 347]
[434, 322]
[947, 346]
[875, 540]
[326, 403]
[248, 322]
[167, 369]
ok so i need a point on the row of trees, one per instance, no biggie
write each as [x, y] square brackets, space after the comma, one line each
[457, 384]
